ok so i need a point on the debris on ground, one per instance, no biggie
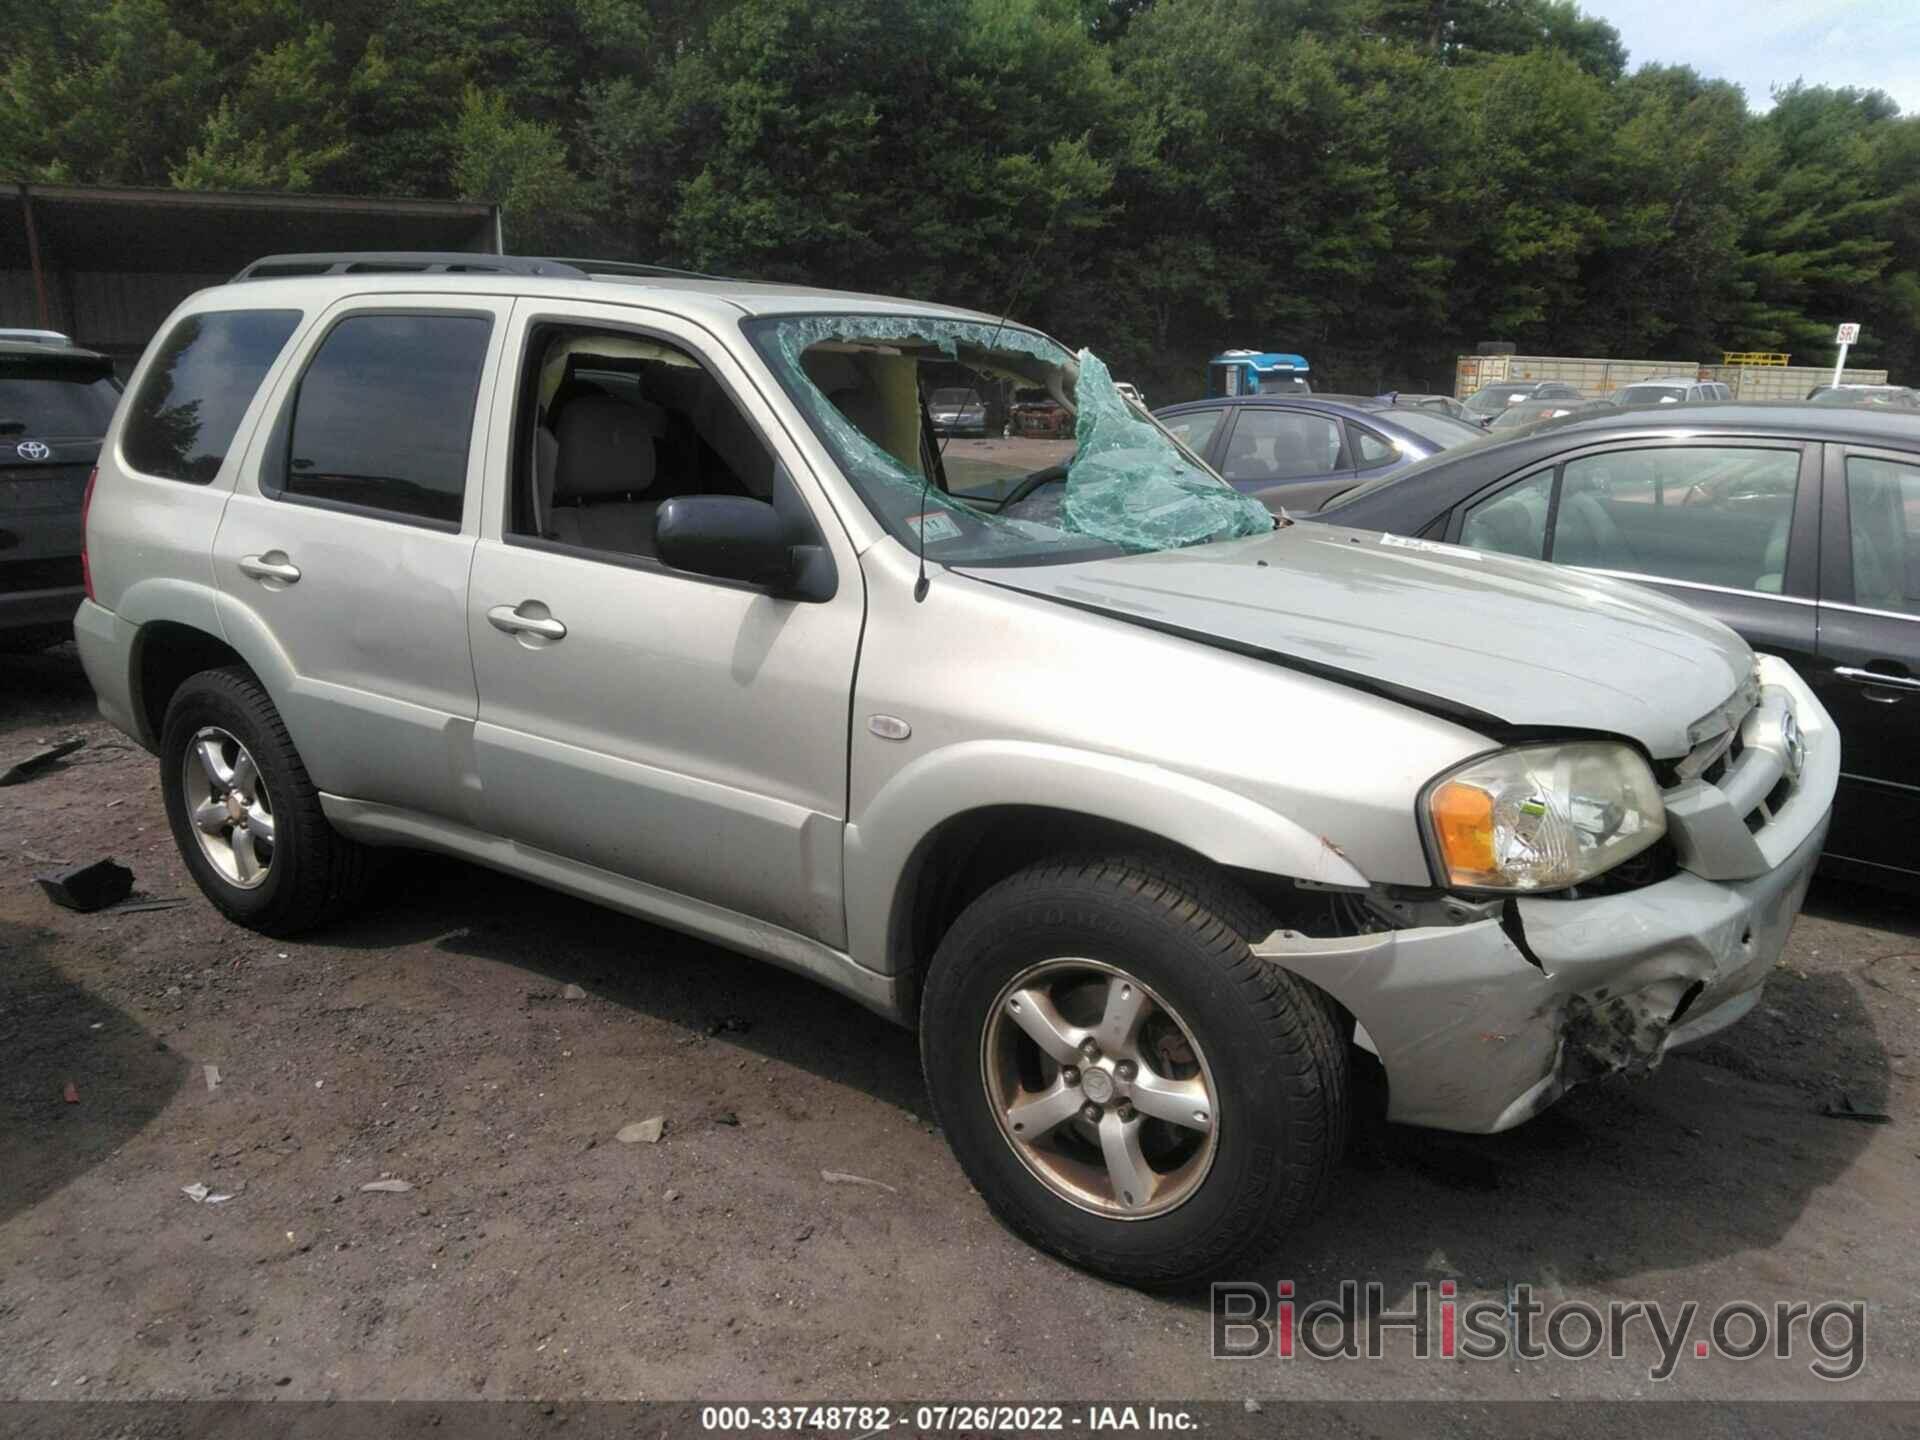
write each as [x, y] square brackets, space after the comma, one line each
[573, 992]
[25, 770]
[212, 1072]
[841, 1177]
[1843, 1108]
[387, 1187]
[725, 1117]
[71, 1095]
[640, 1132]
[200, 1194]
[729, 1024]
[146, 902]
[87, 888]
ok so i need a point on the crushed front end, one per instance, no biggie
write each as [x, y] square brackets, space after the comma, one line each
[1483, 1023]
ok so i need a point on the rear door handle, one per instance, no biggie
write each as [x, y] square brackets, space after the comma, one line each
[509, 618]
[1875, 677]
[273, 565]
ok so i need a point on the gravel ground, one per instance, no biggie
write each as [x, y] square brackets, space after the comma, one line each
[437, 1041]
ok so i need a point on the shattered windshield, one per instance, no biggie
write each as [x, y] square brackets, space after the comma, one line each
[1118, 485]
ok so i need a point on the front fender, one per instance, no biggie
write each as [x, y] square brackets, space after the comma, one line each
[1214, 822]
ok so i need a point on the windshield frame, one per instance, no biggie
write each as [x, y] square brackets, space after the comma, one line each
[763, 335]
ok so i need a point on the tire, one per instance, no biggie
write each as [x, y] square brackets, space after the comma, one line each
[311, 873]
[1265, 1043]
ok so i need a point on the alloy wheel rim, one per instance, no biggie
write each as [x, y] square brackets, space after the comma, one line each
[228, 807]
[1100, 1088]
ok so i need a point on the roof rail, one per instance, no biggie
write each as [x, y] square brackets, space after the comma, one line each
[634, 268]
[405, 262]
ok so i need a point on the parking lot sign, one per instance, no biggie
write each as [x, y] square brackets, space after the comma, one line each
[1849, 334]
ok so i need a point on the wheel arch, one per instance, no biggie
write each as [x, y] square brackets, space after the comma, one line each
[929, 842]
[182, 628]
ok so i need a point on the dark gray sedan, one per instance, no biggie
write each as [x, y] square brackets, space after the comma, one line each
[1298, 451]
[1797, 525]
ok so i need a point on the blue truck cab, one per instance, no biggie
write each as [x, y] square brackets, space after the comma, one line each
[1257, 372]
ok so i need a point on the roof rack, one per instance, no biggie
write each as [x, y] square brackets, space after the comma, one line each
[634, 268]
[405, 262]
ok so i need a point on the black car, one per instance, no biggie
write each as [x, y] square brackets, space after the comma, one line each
[1300, 450]
[1797, 525]
[55, 402]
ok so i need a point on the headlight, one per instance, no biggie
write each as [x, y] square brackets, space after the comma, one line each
[1543, 817]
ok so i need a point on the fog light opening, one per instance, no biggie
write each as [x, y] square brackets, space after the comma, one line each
[1690, 994]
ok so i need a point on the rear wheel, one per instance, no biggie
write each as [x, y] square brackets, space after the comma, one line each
[1125, 1083]
[244, 812]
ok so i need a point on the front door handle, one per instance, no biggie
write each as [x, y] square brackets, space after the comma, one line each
[1877, 678]
[515, 620]
[273, 565]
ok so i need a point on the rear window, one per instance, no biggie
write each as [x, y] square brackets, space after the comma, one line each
[1442, 430]
[199, 385]
[55, 400]
[1653, 395]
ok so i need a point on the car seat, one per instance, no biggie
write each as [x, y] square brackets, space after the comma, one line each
[603, 462]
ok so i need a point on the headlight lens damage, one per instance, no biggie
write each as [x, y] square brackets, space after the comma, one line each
[1543, 817]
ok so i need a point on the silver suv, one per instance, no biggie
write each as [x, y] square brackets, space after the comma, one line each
[1162, 817]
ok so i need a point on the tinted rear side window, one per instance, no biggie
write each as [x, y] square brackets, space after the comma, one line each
[385, 413]
[198, 387]
[55, 400]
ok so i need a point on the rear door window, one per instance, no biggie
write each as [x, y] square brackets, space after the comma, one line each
[199, 385]
[1883, 523]
[1282, 445]
[384, 414]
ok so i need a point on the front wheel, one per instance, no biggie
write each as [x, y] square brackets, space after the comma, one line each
[1127, 1085]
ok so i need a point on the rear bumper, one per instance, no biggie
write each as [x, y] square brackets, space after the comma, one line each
[106, 652]
[38, 609]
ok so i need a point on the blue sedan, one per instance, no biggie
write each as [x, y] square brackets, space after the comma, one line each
[1299, 451]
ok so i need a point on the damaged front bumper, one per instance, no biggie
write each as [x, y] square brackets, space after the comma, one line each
[1483, 1025]
[1476, 1036]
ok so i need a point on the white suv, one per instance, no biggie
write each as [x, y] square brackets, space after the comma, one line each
[1159, 815]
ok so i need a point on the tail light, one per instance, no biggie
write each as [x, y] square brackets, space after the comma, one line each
[86, 505]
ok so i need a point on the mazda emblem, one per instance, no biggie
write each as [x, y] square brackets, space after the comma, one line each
[32, 450]
[1792, 746]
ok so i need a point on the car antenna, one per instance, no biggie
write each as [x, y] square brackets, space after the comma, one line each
[1013, 296]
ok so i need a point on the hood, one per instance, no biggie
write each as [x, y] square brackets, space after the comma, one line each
[1486, 636]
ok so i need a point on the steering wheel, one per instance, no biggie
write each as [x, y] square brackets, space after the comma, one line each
[1032, 483]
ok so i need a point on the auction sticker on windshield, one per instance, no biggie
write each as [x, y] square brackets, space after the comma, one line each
[933, 526]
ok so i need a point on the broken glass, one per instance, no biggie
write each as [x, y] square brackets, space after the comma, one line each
[1128, 487]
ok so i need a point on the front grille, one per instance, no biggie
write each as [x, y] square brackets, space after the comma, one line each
[58, 573]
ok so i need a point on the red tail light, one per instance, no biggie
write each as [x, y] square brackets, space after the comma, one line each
[86, 504]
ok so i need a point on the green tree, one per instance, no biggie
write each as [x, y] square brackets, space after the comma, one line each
[282, 127]
[521, 164]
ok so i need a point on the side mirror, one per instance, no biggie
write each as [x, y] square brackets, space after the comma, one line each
[733, 538]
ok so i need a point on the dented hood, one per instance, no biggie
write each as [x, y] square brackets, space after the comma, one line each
[1513, 640]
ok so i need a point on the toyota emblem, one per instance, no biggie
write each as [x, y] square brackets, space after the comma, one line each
[1793, 748]
[32, 450]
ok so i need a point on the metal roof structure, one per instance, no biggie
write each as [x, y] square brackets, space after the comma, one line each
[105, 263]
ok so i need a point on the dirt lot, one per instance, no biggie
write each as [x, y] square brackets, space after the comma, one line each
[536, 1256]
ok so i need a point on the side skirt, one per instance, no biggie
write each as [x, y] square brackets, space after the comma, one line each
[374, 824]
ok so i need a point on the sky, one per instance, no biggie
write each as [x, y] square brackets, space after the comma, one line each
[1758, 44]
